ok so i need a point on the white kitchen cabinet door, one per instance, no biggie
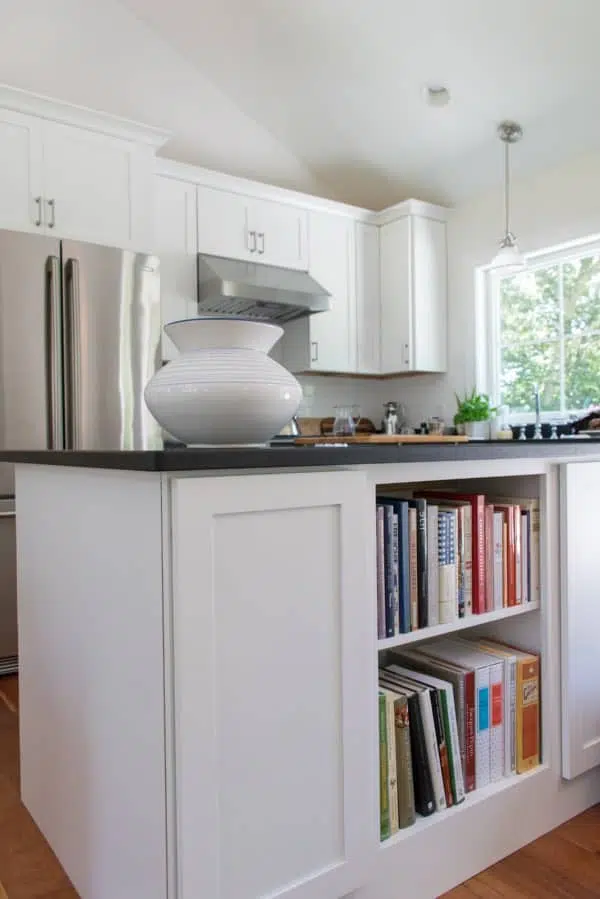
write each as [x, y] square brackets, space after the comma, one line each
[414, 292]
[396, 291]
[274, 685]
[91, 191]
[20, 172]
[222, 224]
[368, 312]
[176, 236]
[580, 617]
[279, 233]
[429, 294]
[326, 341]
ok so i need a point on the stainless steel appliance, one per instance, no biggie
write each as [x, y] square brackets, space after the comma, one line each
[254, 290]
[79, 339]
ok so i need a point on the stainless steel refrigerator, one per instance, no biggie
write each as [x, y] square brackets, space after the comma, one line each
[79, 340]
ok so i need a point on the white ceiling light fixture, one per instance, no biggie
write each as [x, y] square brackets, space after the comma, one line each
[508, 258]
[437, 95]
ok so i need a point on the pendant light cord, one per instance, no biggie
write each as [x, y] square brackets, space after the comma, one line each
[506, 189]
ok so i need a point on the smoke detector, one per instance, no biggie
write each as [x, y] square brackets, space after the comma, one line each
[437, 95]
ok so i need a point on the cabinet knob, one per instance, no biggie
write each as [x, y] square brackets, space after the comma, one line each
[38, 221]
[406, 355]
[252, 241]
[52, 213]
[261, 247]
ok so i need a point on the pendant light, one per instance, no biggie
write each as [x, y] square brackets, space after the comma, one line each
[508, 258]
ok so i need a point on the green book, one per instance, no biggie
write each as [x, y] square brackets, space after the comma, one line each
[384, 801]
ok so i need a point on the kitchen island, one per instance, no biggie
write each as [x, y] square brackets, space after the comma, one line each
[198, 667]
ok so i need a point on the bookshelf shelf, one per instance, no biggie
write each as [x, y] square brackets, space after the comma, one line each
[471, 799]
[440, 630]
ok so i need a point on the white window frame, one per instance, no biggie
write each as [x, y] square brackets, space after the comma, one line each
[487, 323]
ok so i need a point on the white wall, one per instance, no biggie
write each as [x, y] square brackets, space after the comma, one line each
[98, 54]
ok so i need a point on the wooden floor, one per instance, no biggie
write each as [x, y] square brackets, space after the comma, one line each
[564, 863]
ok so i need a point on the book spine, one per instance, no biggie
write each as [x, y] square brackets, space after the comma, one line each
[511, 767]
[390, 729]
[478, 511]
[381, 629]
[518, 560]
[389, 572]
[384, 809]
[406, 793]
[396, 573]
[422, 567]
[467, 550]
[482, 726]
[424, 797]
[404, 569]
[460, 561]
[496, 699]
[528, 722]
[525, 555]
[414, 577]
[489, 558]
[433, 568]
[433, 755]
[442, 745]
[535, 551]
[504, 563]
[511, 559]
[498, 561]
[453, 742]
[470, 731]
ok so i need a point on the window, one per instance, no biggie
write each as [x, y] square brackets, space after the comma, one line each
[546, 330]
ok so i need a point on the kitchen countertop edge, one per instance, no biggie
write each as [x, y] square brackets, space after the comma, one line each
[288, 456]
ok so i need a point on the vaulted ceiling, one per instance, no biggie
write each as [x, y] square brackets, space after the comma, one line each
[327, 94]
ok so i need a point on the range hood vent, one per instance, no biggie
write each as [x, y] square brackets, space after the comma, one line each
[251, 290]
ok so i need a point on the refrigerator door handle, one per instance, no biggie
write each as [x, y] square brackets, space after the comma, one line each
[72, 353]
[54, 365]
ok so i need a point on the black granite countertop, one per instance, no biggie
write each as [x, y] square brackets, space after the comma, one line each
[284, 455]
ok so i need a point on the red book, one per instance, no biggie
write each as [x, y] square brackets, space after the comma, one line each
[477, 503]
[489, 557]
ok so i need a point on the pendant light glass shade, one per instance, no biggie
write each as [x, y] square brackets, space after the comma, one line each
[508, 259]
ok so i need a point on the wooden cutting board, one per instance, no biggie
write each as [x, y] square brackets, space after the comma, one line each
[381, 438]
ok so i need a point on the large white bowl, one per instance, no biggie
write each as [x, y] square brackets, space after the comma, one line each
[224, 389]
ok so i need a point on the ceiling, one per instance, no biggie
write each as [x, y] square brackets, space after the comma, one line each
[340, 82]
[327, 95]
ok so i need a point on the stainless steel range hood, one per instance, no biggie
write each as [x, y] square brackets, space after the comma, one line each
[251, 290]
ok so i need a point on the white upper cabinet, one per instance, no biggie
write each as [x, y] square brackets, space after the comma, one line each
[326, 341]
[176, 236]
[279, 233]
[414, 291]
[90, 188]
[241, 227]
[75, 173]
[368, 293]
[20, 172]
[222, 223]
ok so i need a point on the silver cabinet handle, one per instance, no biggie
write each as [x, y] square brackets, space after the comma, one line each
[406, 355]
[7, 514]
[252, 237]
[72, 344]
[261, 237]
[38, 202]
[52, 211]
[315, 351]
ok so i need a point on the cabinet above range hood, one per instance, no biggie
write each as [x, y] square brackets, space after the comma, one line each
[250, 290]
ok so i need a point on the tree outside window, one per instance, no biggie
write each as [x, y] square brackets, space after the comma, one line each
[549, 336]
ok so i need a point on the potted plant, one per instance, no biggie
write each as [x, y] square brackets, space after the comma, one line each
[473, 415]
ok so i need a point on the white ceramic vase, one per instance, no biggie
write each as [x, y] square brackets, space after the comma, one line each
[223, 389]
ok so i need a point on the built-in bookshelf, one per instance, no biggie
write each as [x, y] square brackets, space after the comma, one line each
[461, 624]
[458, 696]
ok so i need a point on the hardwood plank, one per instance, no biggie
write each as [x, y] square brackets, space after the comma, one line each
[9, 691]
[567, 859]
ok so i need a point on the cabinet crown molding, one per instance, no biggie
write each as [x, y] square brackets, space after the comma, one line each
[170, 168]
[18, 100]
